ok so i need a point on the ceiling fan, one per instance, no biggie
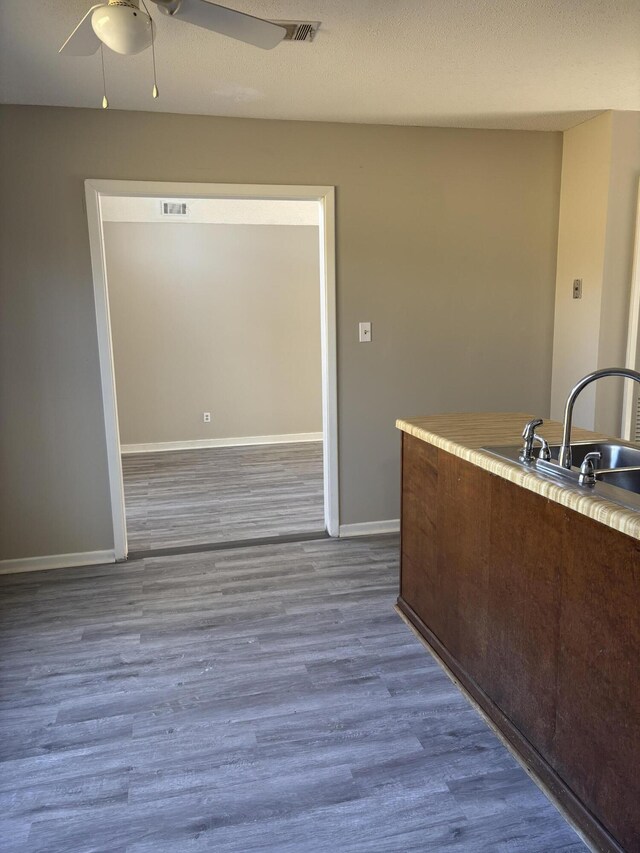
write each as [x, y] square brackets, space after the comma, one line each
[125, 28]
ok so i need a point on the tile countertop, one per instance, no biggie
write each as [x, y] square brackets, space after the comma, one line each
[464, 434]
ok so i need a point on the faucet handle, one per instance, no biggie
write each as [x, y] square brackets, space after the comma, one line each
[545, 450]
[588, 468]
[530, 427]
[528, 433]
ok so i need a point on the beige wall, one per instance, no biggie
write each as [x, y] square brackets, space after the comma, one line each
[581, 250]
[620, 238]
[600, 172]
[216, 318]
[446, 241]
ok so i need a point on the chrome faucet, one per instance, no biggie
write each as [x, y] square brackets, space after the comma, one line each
[564, 457]
[530, 437]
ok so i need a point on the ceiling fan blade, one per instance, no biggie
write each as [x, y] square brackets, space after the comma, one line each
[82, 41]
[228, 22]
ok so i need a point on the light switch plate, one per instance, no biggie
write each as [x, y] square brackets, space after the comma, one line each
[364, 332]
[577, 288]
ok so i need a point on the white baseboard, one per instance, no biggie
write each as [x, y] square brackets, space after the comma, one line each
[159, 446]
[370, 528]
[56, 561]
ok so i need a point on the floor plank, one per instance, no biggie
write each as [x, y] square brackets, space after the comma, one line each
[260, 699]
[194, 497]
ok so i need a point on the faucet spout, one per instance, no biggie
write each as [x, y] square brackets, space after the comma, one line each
[564, 457]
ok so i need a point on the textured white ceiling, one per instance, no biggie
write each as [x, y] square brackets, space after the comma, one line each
[539, 64]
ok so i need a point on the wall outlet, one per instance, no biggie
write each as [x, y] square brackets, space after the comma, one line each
[577, 288]
[206, 417]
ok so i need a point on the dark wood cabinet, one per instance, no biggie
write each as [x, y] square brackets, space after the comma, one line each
[535, 608]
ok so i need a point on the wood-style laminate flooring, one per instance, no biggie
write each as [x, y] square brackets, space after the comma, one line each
[195, 497]
[257, 699]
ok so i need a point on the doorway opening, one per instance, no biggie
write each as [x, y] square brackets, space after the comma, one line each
[215, 308]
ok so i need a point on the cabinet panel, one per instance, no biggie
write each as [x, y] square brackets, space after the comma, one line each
[597, 741]
[464, 512]
[524, 611]
[419, 514]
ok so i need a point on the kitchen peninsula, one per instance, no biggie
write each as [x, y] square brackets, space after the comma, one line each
[528, 590]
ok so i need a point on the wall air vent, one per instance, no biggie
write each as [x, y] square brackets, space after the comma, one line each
[174, 208]
[299, 30]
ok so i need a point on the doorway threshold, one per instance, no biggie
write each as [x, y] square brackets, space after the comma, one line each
[227, 545]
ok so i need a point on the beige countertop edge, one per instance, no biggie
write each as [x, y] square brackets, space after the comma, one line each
[612, 515]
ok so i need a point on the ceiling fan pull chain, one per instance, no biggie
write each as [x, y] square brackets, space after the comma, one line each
[154, 91]
[105, 101]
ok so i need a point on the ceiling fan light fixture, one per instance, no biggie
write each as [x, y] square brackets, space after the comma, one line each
[122, 27]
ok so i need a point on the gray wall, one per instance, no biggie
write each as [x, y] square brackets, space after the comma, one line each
[216, 318]
[446, 241]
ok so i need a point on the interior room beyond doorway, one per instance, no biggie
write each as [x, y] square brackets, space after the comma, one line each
[215, 309]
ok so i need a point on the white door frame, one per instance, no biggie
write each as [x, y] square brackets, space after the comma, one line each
[630, 390]
[95, 190]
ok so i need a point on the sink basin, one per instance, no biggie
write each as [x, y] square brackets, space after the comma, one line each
[629, 480]
[614, 455]
[619, 486]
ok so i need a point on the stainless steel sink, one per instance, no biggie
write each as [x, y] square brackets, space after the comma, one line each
[620, 486]
[619, 456]
[614, 454]
[629, 480]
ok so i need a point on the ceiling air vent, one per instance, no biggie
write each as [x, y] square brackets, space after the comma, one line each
[174, 208]
[299, 30]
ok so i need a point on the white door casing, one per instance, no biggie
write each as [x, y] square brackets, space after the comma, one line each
[95, 190]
